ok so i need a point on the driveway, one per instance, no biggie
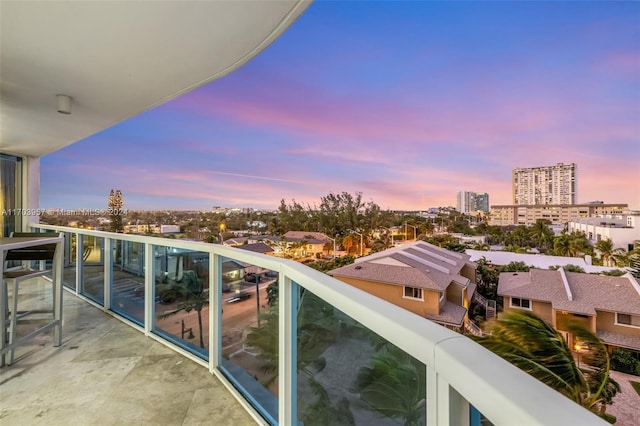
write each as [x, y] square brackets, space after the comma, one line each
[626, 403]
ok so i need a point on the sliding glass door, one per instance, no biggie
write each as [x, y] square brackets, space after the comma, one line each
[10, 194]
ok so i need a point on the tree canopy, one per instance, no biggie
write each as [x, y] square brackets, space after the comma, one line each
[533, 345]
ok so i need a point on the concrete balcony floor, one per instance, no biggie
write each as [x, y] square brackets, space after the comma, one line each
[107, 373]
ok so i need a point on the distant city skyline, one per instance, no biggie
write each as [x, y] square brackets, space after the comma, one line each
[407, 103]
[472, 202]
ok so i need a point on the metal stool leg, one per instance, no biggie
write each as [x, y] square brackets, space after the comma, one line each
[14, 319]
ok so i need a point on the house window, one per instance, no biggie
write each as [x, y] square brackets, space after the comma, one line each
[517, 302]
[628, 320]
[413, 293]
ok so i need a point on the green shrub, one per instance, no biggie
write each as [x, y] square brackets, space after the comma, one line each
[624, 361]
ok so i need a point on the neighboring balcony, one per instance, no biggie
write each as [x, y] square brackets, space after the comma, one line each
[294, 345]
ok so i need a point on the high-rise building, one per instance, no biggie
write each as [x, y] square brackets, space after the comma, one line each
[545, 185]
[469, 202]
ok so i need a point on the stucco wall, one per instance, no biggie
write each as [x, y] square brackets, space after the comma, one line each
[454, 294]
[562, 321]
[469, 272]
[540, 309]
[606, 321]
[394, 294]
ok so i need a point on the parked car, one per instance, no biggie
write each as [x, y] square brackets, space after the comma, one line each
[251, 277]
[239, 297]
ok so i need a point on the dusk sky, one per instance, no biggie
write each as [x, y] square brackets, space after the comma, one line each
[406, 102]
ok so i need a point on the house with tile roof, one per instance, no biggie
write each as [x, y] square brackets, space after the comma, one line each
[431, 282]
[296, 244]
[312, 243]
[608, 306]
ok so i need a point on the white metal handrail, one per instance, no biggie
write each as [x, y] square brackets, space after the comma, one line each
[459, 371]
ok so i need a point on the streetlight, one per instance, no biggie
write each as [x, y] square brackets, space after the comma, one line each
[361, 239]
[334, 246]
[579, 351]
[414, 230]
[393, 244]
[221, 232]
[257, 280]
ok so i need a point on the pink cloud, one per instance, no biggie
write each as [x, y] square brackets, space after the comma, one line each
[622, 63]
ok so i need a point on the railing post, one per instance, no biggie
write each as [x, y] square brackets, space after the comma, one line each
[215, 311]
[58, 271]
[287, 351]
[432, 396]
[108, 272]
[445, 406]
[149, 288]
[79, 262]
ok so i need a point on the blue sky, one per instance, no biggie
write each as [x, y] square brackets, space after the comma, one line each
[406, 102]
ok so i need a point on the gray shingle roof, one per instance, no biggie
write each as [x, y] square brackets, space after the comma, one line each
[619, 339]
[450, 314]
[257, 248]
[231, 265]
[290, 239]
[300, 235]
[589, 292]
[419, 265]
[391, 274]
[450, 260]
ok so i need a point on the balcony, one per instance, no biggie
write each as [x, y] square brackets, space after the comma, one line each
[106, 372]
[149, 332]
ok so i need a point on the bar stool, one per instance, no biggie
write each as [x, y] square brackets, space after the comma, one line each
[16, 276]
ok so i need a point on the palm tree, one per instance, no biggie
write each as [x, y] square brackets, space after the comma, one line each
[541, 233]
[634, 259]
[605, 247]
[265, 338]
[317, 328]
[348, 242]
[481, 246]
[322, 412]
[631, 259]
[562, 245]
[534, 346]
[620, 257]
[189, 294]
[395, 385]
[571, 245]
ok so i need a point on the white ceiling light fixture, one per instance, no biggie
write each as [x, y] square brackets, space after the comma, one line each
[64, 104]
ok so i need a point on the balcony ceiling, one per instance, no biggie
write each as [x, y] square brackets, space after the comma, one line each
[117, 59]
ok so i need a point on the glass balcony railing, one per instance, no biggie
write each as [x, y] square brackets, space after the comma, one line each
[297, 346]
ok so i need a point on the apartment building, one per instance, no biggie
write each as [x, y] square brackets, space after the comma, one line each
[622, 230]
[431, 282]
[469, 202]
[150, 228]
[608, 306]
[557, 214]
[545, 185]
